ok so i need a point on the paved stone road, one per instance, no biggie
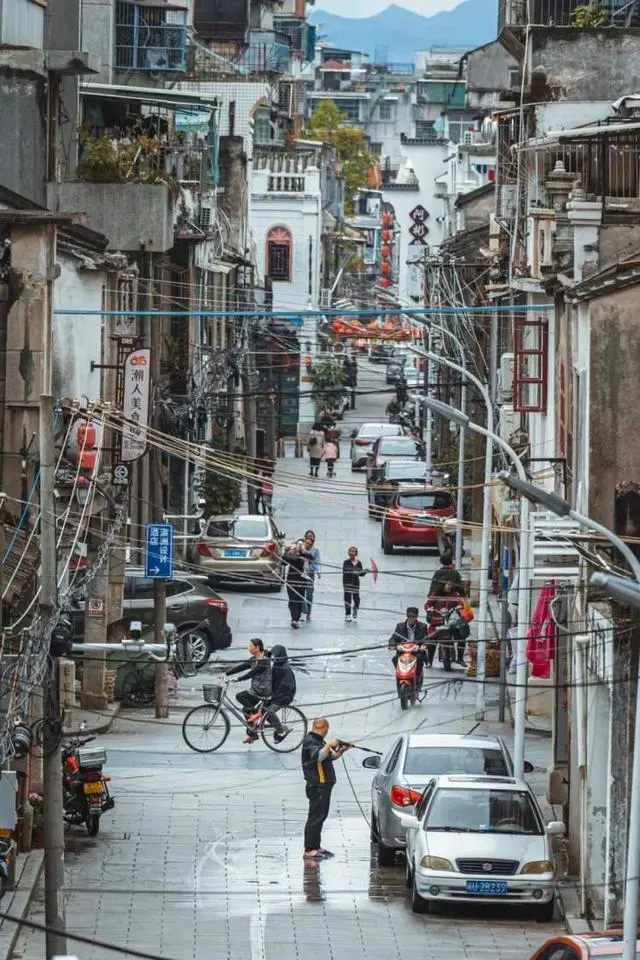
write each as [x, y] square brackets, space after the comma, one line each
[202, 856]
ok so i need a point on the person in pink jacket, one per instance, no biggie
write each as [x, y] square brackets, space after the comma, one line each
[330, 455]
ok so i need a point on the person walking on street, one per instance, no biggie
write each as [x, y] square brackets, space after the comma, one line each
[330, 455]
[283, 689]
[315, 445]
[318, 757]
[258, 669]
[352, 572]
[313, 571]
[266, 494]
[295, 559]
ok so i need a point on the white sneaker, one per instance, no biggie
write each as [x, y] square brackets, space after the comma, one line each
[348, 618]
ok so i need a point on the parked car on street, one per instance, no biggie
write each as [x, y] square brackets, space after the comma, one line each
[197, 611]
[363, 439]
[410, 764]
[387, 448]
[396, 365]
[244, 549]
[480, 839]
[380, 353]
[395, 473]
[584, 946]
[408, 521]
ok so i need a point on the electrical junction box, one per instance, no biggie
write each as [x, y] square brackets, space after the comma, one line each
[8, 789]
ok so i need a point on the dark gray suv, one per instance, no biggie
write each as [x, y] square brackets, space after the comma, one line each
[192, 606]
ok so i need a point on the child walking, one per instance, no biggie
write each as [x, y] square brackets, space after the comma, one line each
[352, 571]
[330, 455]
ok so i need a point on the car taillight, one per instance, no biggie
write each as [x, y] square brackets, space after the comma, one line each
[203, 549]
[220, 604]
[269, 549]
[403, 796]
[362, 443]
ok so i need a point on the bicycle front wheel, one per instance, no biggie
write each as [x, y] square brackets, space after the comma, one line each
[292, 732]
[205, 728]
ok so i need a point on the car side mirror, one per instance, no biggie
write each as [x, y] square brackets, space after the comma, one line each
[372, 762]
[409, 822]
[555, 828]
[528, 766]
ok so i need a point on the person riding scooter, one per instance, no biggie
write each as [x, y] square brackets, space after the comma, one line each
[444, 596]
[411, 630]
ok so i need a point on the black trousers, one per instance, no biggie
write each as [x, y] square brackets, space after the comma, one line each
[296, 593]
[248, 702]
[351, 597]
[319, 797]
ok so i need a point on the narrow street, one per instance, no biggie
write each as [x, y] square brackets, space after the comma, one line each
[202, 856]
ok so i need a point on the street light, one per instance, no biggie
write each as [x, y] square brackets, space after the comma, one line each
[450, 413]
[625, 592]
[485, 585]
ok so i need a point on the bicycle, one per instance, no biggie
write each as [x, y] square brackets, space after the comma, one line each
[210, 718]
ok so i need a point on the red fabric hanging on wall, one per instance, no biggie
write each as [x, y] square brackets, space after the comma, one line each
[541, 634]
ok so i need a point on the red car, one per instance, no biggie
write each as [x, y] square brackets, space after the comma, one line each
[583, 946]
[406, 522]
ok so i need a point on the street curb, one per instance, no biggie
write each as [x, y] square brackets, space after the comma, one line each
[570, 909]
[16, 902]
[106, 719]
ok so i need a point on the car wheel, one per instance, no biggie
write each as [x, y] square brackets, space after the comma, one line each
[200, 647]
[418, 903]
[386, 856]
[387, 547]
[546, 911]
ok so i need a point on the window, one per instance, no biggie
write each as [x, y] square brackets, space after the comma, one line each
[484, 811]
[440, 761]
[351, 109]
[400, 447]
[386, 110]
[279, 254]
[244, 528]
[150, 38]
[426, 501]
[393, 759]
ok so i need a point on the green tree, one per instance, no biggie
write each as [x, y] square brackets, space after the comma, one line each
[330, 125]
[329, 383]
[221, 494]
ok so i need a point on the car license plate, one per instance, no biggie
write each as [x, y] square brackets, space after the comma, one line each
[93, 787]
[236, 553]
[488, 888]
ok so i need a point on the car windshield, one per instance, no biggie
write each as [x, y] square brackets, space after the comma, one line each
[426, 501]
[398, 447]
[411, 471]
[440, 761]
[483, 811]
[244, 528]
[375, 430]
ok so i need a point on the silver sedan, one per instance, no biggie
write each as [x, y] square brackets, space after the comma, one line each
[362, 440]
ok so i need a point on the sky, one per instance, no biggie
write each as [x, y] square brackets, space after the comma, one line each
[367, 8]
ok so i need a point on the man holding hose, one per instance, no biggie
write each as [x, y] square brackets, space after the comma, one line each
[318, 757]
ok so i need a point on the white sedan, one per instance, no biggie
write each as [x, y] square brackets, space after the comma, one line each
[482, 839]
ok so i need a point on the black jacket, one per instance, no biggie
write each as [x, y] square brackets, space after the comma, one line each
[283, 680]
[259, 672]
[316, 772]
[351, 574]
[401, 633]
[295, 567]
[445, 575]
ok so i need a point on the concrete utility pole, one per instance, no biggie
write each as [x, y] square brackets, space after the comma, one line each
[251, 417]
[56, 942]
[95, 631]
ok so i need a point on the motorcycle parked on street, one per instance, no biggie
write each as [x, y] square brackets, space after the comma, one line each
[85, 791]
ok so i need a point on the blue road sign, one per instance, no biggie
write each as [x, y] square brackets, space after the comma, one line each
[158, 555]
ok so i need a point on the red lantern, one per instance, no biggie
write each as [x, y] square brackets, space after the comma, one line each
[386, 236]
[385, 253]
[385, 268]
[385, 282]
[386, 219]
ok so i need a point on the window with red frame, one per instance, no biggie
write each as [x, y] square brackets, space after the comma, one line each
[279, 245]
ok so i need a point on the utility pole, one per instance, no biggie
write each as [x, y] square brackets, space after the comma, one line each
[154, 457]
[251, 416]
[56, 941]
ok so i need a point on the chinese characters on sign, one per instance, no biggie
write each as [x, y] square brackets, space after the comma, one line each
[419, 228]
[159, 551]
[137, 378]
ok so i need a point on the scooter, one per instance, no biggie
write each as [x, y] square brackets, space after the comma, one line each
[407, 673]
[85, 791]
[450, 628]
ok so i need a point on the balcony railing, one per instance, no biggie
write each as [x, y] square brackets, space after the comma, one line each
[151, 39]
[120, 157]
[565, 13]
[255, 60]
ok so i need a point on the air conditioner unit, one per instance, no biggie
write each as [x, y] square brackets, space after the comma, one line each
[543, 228]
[505, 377]
[508, 422]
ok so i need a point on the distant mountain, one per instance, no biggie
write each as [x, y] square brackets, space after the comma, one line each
[396, 33]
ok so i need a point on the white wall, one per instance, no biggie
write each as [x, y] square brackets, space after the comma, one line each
[77, 340]
[427, 162]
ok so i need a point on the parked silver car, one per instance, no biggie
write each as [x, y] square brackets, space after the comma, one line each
[411, 762]
[481, 839]
[363, 439]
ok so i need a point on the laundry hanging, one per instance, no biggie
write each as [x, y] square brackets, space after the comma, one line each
[541, 633]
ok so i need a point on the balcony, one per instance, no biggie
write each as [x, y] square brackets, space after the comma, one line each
[221, 20]
[301, 34]
[564, 13]
[150, 39]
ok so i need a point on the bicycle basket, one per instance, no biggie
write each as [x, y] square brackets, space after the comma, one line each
[212, 692]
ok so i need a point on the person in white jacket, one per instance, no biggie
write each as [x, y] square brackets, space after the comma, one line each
[315, 445]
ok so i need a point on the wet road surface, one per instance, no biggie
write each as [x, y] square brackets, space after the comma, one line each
[202, 856]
